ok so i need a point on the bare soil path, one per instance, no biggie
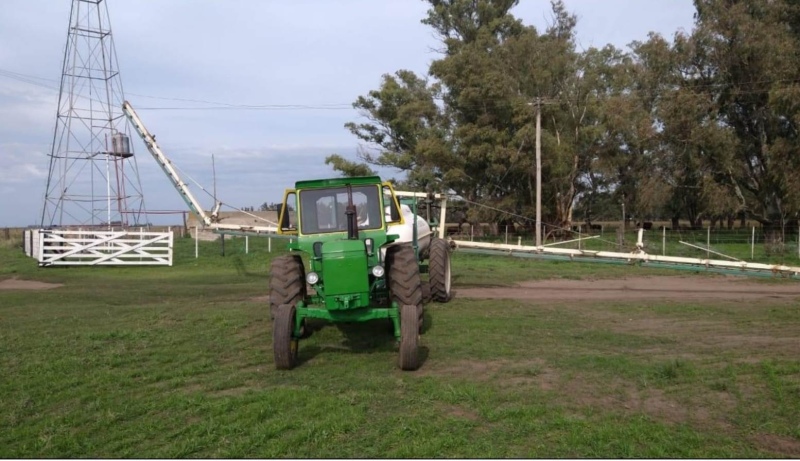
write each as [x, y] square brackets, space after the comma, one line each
[638, 288]
[16, 284]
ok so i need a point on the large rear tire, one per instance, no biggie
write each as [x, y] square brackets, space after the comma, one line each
[426, 292]
[284, 346]
[402, 273]
[409, 338]
[439, 270]
[287, 282]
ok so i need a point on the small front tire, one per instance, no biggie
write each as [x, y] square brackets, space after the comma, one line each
[284, 346]
[409, 338]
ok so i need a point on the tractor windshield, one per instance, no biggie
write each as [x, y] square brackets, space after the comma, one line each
[323, 210]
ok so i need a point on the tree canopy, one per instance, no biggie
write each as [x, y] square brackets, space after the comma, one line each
[702, 126]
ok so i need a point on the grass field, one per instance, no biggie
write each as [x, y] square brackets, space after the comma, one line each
[177, 362]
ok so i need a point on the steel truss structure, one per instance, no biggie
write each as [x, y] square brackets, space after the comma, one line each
[93, 177]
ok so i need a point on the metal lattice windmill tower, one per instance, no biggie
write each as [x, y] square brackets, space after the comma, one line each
[93, 178]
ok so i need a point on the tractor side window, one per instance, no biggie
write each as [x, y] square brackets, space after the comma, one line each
[286, 213]
[316, 208]
[390, 206]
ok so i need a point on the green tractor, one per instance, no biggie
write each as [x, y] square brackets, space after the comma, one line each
[365, 250]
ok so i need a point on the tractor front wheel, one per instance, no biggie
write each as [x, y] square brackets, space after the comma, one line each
[409, 338]
[439, 269]
[284, 346]
[287, 282]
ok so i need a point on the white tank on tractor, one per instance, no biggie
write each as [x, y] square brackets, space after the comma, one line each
[406, 230]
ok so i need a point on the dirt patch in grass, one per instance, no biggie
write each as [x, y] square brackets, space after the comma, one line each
[506, 373]
[691, 338]
[625, 397]
[459, 412]
[658, 405]
[589, 392]
[785, 446]
[638, 288]
[480, 370]
[235, 391]
[476, 370]
[17, 284]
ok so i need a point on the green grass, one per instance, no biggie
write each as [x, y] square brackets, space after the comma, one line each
[177, 362]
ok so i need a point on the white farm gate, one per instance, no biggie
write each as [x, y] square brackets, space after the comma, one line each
[31, 238]
[104, 248]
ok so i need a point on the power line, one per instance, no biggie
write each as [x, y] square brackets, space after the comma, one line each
[239, 106]
[735, 89]
[276, 107]
[213, 105]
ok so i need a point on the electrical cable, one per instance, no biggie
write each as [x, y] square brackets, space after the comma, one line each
[765, 86]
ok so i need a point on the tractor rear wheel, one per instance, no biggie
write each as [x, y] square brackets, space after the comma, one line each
[284, 346]
[439, 269]
[402, 273]
[287, 282]
[426, 292]
[409, 338]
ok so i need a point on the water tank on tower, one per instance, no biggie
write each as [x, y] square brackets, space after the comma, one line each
[121, 145]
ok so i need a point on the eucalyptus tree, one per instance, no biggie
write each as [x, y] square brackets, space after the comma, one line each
[483, 103]
[701, 127]
[472, 130]
[751, 51]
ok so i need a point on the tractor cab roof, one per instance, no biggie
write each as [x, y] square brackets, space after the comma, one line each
[337, 182]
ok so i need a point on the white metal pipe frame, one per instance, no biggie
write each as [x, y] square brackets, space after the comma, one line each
[636, 256]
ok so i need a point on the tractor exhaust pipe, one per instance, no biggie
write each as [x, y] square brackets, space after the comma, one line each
[350, 212]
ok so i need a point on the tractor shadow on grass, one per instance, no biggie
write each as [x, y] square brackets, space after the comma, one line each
[241, 268]
[361, 338]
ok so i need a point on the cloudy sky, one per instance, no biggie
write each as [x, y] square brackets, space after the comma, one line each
[315, 55]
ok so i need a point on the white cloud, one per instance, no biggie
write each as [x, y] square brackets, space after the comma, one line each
[26, 110]
[22, 183]
[20, 163]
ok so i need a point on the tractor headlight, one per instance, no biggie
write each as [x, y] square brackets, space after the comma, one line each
[312, 278]
[378, 271]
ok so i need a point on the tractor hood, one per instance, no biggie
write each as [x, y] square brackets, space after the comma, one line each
[345, 274]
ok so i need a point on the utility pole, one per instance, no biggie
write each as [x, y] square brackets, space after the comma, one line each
[538, 172]
[538, 104]
[624, 216]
